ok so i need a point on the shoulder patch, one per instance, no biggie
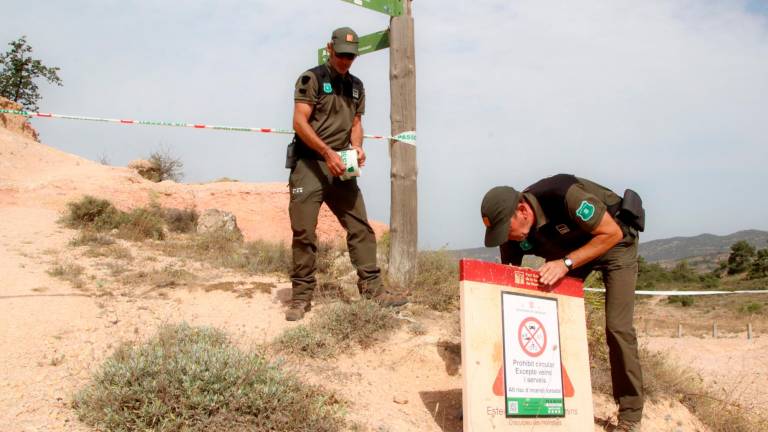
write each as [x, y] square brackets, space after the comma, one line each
[526, 245]
[585, 211]
[327, 87]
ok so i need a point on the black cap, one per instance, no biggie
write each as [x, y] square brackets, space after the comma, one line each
[498, 206]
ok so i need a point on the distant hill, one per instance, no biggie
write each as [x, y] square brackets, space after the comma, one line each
[677, 248]
[481, 253]
[705, 247]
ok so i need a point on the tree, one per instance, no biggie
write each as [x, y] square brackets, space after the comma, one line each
[759, 267]
[168, 167]
[741, 257]
[18, 72]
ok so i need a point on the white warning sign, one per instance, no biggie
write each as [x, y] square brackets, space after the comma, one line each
[533, 379]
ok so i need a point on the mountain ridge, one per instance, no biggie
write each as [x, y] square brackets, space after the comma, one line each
[667, 249]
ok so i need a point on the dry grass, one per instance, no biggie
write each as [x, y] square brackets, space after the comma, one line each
[165, 277]
[225, 249]
[663, 378]
[141, 224]
[72, 273]
[338, 328]
[437, 281]
[114, 251]
[732, 313]
[87, 237]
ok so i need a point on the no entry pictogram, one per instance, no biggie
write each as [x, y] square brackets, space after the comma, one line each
[532, 336]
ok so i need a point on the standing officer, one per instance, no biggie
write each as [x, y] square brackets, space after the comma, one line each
[329, 102]
[578, 226]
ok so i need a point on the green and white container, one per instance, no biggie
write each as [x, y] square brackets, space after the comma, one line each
[349, 159]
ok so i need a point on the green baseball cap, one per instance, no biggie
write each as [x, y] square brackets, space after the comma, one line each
[345, 41]
[498, 206]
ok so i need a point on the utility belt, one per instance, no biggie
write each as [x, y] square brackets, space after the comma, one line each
[297, 149]
[630, 212]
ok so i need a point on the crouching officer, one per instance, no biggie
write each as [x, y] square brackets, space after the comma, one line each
[329, 102]
[578, 226]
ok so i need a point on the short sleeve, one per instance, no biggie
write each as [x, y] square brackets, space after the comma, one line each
[584, 208]
[306, 88]
[361, 105]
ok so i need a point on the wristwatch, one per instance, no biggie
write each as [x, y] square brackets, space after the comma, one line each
[568, 263]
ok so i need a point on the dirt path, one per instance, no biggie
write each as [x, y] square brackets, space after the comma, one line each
[52, 336]
[734, 367]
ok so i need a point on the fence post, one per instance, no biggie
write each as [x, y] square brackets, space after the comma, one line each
[679, 329]
[749, 331]
[714, 329]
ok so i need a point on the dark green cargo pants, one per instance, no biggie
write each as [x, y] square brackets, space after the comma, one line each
[619, 269]
[311, 184]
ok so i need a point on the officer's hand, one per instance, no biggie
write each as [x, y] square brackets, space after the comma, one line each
[551, 272]
[360, 156]
[335, 165]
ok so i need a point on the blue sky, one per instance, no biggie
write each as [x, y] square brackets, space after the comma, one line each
[669, 97]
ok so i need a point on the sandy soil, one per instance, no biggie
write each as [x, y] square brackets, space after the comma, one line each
[734, 367]
[53, 334]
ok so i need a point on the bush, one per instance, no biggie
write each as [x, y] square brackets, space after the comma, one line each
[180, 220]
[93, 213]
[194, 379]
[338, 328]
[167, 167]
[759, 267]
[684, 301]
[437, 280]
[141, 224]
[268, 257]
[752, 307]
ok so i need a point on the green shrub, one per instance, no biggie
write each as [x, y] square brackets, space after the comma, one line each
[194, 379]
[437, 280]
[93, 213]
[684, 301]
[752, 307]
[338, 328]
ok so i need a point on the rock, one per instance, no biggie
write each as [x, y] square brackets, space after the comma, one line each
[16, 123]
[401, 400]
[146, 169]
[213, 220]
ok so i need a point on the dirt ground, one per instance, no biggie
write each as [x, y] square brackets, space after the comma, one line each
[54, 334]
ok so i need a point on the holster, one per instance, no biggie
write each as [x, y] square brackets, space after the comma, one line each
[291, 156]
[631, 211]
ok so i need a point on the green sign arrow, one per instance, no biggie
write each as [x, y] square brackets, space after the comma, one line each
[368, 44]
[389, 7]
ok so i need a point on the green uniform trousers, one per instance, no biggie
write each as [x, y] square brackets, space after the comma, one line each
[619, 269]
[311, 185]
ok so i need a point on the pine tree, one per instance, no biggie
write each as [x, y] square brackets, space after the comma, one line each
[741, 257]
[18, 72]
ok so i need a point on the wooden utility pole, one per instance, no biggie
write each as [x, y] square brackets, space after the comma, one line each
[404, 205]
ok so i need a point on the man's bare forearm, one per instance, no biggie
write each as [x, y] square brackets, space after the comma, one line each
[309, 137]
[356, 137]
